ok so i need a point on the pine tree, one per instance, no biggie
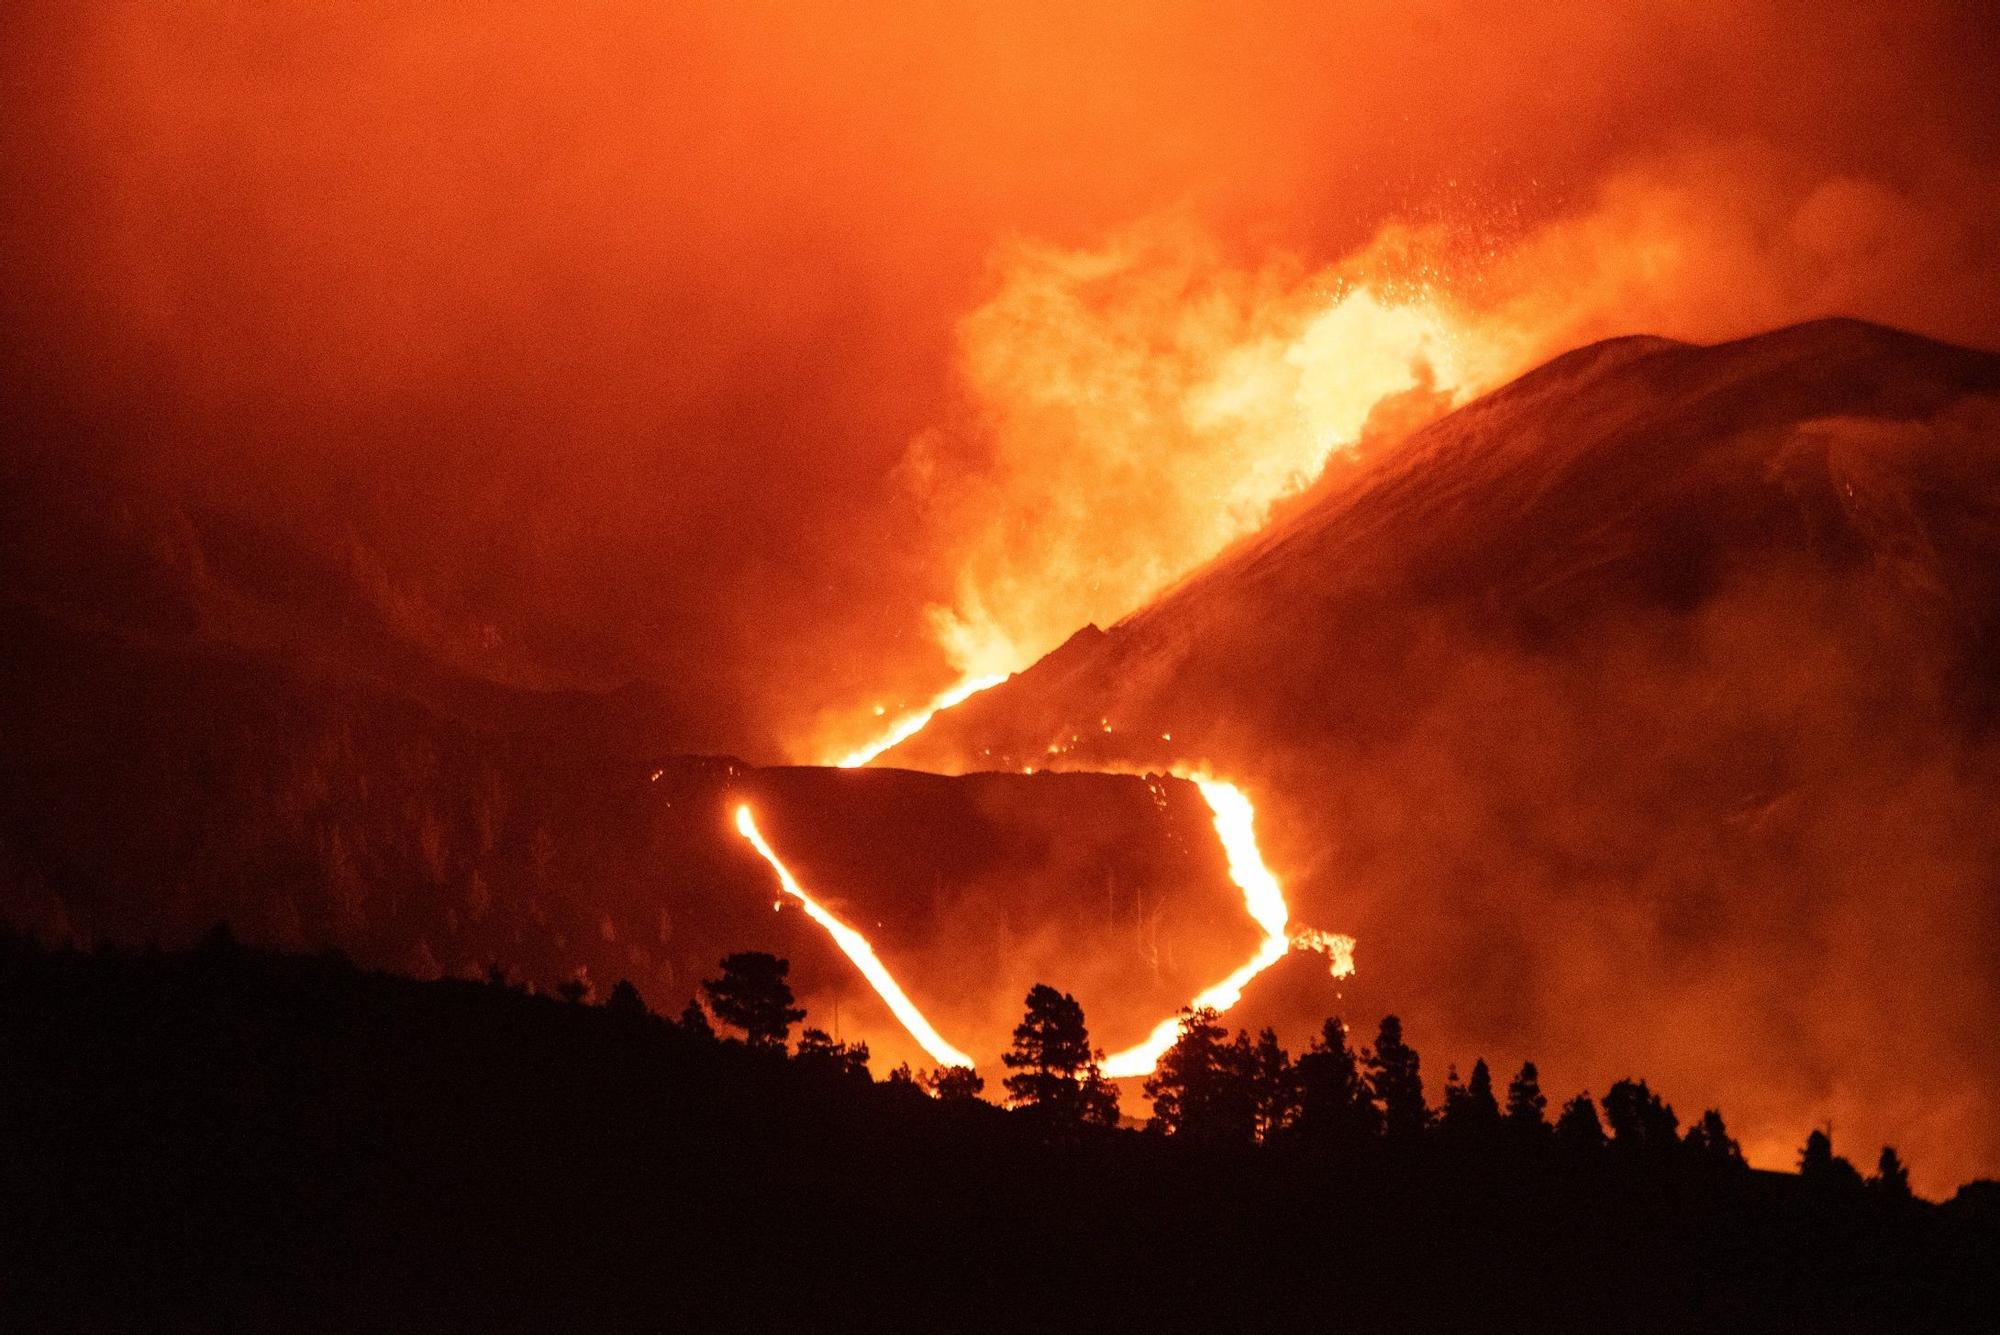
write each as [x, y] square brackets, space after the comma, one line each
[1274, 1085]
[1526, 1105]
[1578, 1129]
[1470, 1111]
[1892, 1177]
[1710, 1141]
[1641, 1122]
[818, 1052]
[753, 996]
[1202, 1088]
[625, 1001]
[694, 1022]
[1484, 1109]
[1336, 1106]
[1395, 1076]
[1098, 1097]
[954, 1084]
[1819, 1165]
[1056, 1070]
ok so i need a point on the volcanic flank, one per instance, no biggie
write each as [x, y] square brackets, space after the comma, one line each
[1639, 715]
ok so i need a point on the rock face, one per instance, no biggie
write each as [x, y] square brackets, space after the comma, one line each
[1636, 717]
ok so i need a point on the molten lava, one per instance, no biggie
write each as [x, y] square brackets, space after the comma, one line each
[1235, 825]
[855, 946]
[913, 723]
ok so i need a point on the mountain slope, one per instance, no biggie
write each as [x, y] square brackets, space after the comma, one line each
[199, 723]
[1640, 712]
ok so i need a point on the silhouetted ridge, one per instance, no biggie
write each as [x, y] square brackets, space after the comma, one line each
[228, 1138]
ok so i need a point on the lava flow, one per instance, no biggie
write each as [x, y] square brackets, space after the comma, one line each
[1235, 825]
[855, 946]
[911, 724]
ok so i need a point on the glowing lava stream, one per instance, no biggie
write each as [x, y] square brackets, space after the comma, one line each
[1235, 825]
[911, 724]
[856, 948]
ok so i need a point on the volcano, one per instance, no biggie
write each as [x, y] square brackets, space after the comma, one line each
[1638, 715]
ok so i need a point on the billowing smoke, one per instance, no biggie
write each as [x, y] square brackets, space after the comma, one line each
[608, 341]
[1142, 404]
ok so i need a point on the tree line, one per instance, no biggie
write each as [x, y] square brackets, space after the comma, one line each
[1215, 1089]
[214, 1138]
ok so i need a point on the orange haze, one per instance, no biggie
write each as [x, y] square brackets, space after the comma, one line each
[624, 340]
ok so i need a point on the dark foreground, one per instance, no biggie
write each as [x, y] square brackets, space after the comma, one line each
[235, 1140]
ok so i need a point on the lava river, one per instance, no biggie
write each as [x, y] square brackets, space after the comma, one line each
[1264, 898]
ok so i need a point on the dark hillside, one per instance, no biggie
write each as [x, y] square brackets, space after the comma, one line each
[231, 1139]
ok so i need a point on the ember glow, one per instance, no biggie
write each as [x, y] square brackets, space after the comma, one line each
[855, 946]
[1235, 825]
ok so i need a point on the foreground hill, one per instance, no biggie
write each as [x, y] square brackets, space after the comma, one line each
[233, 1140]
[1643, 709]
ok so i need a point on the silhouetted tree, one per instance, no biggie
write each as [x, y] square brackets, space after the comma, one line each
[1819, 1165]
[1336, 1106]
[1470, 1111]
[1202, 1087]
[1395, 1076]
[752, 995]
[1098, 1096]
[1526, 1105]
[1709, 1140]
[1056, 1071]
[625, 1001]
[1578, 1128]
[1641, 1122]
[1274, 1085]
[818, 1052]
[1892, 1177]
[954, 1083]
[575, 989]
[694, 1022]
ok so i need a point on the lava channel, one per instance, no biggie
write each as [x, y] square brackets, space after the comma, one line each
[855, 946]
